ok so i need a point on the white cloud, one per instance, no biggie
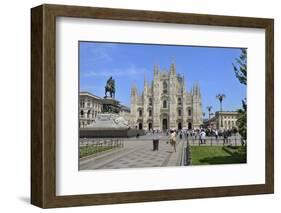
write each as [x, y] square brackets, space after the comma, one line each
[100, 52]
[130, 71]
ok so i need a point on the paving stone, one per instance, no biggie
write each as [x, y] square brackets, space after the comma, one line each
[134, 155]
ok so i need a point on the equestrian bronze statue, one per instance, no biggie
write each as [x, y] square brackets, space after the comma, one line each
[110, 87]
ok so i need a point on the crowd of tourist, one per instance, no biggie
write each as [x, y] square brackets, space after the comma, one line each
[199, 134]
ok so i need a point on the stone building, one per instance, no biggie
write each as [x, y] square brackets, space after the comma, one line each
[166, 103]
[90, 106]
[226, 119]
[223, 120]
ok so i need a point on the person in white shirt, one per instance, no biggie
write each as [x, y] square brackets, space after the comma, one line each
[216, 134]
[203, 137]
[173, 140]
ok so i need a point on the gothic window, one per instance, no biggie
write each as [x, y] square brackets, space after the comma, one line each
[140, 113]
[150, 102]
[164, 104]
[88, 113]
[82, 104]
[165, 87]
[179, 101]
[179, 112]
[150, 112]
[189, 112]
[82, 113]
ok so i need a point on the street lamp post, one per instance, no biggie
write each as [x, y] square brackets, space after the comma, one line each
[209, 108]
[220, 97]
[203, 113]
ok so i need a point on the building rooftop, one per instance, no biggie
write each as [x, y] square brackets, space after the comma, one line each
[90, 95]
[227, 112]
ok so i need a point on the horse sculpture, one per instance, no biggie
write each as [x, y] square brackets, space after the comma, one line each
[110, 87]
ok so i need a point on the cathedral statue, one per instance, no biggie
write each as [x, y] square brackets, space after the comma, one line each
[110, 87]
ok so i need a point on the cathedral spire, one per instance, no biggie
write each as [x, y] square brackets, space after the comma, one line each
[183, 83]
[144, 77]
[173, 68]
[134, 89]
[199, 90]
[173, 60]
[196, 89]
[156, 69]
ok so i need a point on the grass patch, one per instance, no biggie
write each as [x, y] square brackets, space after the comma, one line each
[239, 153]
[208, 155]
[92, 149]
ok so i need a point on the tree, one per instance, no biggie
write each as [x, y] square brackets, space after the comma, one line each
[203, 114]
[240, 67]
[242, 120]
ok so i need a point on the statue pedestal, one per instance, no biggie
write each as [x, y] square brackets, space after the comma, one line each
[111, 105]
[109, 125]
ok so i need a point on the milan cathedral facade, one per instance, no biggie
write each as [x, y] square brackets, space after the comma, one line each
[165, 103]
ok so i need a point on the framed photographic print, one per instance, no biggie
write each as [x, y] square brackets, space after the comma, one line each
[136, 106]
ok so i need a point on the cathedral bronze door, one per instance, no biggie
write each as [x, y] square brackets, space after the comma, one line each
[149, 126]
[165, 124]
[179, 126]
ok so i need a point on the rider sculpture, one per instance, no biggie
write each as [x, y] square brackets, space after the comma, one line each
[110, 87]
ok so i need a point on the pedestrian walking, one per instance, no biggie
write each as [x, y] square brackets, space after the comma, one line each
[186, 134]
[216, 134]
[173, 140]
[155, 139]
[202, 136]
[180, 134]
[225, 137]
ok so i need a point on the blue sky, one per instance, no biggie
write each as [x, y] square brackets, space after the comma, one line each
[211, 67]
